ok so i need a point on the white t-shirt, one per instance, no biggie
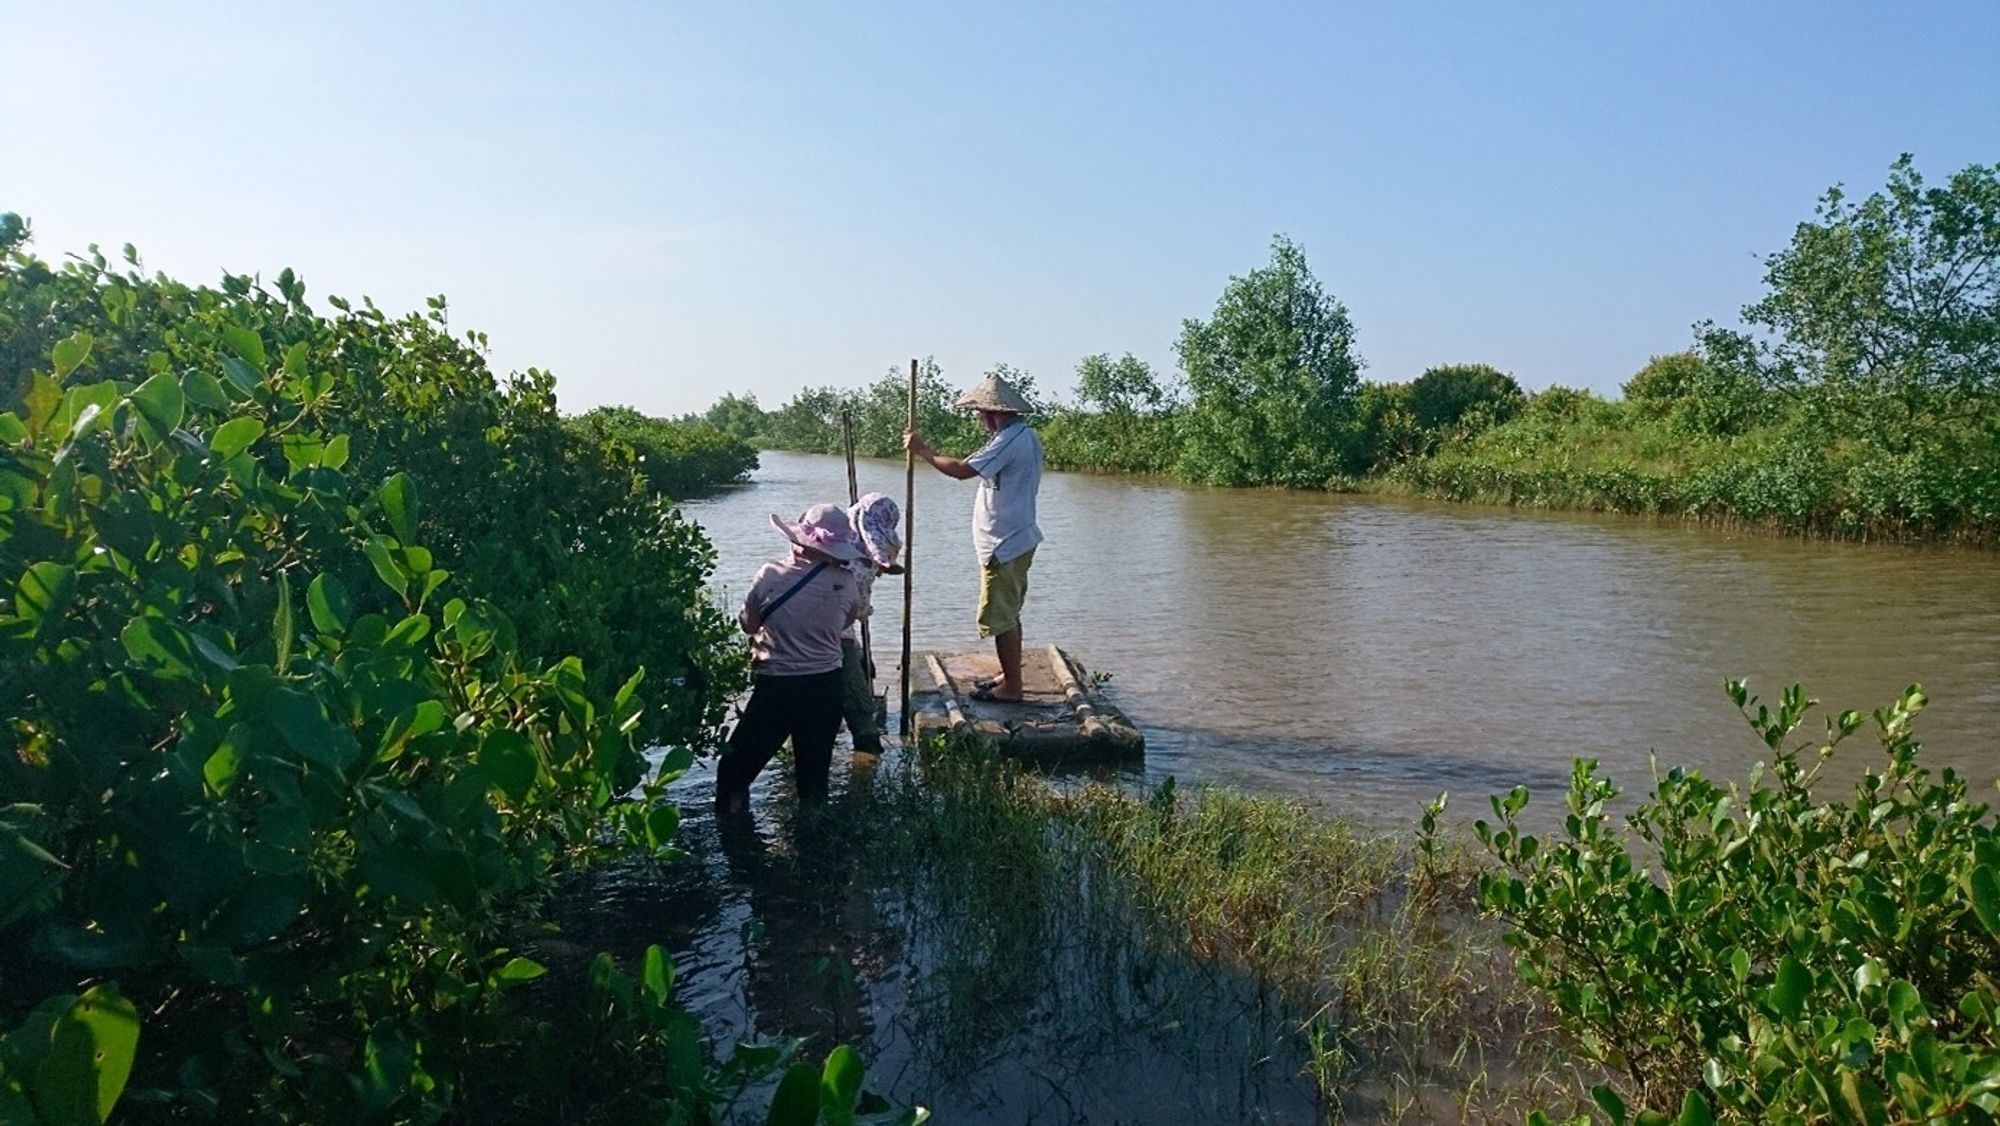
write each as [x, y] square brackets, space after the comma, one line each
[1003, 514]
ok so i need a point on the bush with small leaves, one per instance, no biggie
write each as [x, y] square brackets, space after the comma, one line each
[1764, 953]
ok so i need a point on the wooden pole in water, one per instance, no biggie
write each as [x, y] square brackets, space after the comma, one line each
[909, 553]
[854, 498]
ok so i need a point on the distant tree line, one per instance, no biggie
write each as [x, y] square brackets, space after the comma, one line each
[1860, 396]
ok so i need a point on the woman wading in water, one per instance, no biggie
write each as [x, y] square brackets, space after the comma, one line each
[795, 612]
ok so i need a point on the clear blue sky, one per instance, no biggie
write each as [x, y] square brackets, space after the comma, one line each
[661, 203]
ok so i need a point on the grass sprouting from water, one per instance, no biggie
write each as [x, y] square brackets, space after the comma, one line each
[1403, 998]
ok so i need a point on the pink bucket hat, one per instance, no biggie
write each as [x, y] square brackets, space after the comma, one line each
[875, 517]
[823, 528]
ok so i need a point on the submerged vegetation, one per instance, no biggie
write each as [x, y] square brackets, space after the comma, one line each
[1396, 997]
[1859, 398]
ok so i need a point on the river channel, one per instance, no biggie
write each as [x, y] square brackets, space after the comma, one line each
[1368, 653]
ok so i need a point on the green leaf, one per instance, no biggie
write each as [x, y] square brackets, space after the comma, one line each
[656, 974]
[213, 652]
[83, 413]
[663, 822]
[303, 450]
[89, 1059]
[676, 762]
[161, 646]
[70, 353]
[399, 504]
[241, 376]
[390, 1061]
[1904, 1005]
[510, 759]
[328, 603]
[161, 406]
[42, 399]
[1608, 1100]
[235, 436]
[204, 391]
[221, 769]
[245, 343]
[796, 1101]
[43, 593]
[518, 971]
[303, 723]
[383, 557]
[215, 963]
[840, 1085]
[628, 690]
[281, 626]
[336, 452]
[1870, 974]
[1985, 888]
[1695, 1112]
[1788, 992]
[262, 910]
[1864, 1100]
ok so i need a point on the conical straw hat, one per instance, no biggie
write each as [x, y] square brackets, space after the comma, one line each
[994, 394]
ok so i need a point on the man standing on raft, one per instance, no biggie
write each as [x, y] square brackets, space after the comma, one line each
[1004, 533]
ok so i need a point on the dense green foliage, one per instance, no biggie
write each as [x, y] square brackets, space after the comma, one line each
[1569, 450]
[1454, 395]
[811, 421]
[1791, 958]
[288, 753]
[677, 459]
[738, 416]
[546, 522]
[1884, 315]
[1125, 421]
[1697, 397]
[1861, 398]
[1271, 379]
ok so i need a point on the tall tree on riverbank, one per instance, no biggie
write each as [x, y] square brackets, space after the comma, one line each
[1273, 376]
[1884, 313]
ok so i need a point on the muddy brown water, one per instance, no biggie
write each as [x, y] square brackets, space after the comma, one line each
[1364, 653]
[1368, 652]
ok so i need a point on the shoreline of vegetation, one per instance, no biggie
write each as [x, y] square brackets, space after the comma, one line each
[1860, 399]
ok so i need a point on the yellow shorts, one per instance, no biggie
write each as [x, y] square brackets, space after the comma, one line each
[1002, 588]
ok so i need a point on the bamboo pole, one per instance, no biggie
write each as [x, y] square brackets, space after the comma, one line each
[854, 498]
[909, 552]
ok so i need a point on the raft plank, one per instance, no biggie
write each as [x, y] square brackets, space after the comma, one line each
[1060, 720]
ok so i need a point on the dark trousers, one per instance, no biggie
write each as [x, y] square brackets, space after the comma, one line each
[805, 709]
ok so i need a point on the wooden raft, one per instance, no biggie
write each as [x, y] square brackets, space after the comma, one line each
[1059, 721]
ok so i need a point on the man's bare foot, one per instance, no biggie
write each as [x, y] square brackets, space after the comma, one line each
[996, 694]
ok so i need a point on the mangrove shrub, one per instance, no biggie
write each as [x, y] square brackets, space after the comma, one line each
[1885, 312]
[1764, 952]
[1272, 375]
[1443, 396]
